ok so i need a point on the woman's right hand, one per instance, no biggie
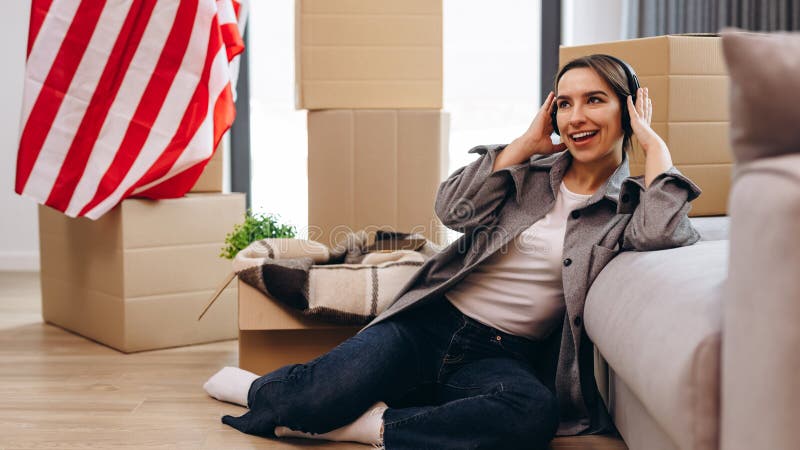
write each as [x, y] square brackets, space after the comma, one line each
[538, 134]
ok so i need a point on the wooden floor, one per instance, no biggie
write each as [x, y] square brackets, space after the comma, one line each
[61, 391]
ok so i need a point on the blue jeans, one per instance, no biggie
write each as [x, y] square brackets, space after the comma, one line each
[450, 383]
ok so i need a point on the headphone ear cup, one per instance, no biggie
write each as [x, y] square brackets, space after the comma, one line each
[554, 122]
[626, 117]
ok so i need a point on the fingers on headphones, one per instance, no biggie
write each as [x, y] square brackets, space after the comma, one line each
[548, 102]
[631, 107]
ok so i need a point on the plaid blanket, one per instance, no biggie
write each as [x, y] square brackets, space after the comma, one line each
[350, 283]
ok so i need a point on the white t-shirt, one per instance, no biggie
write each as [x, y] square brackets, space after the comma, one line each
[518, 289]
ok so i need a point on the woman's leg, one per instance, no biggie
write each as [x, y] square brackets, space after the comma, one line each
[492, 403]
[339, 386]
[230, 384]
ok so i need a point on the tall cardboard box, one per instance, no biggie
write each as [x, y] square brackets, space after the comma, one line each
[272, 335]
[371, 169]
[137, 278]
[368, 54]
[688, 82]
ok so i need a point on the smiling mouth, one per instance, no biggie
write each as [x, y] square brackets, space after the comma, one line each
[583, 136]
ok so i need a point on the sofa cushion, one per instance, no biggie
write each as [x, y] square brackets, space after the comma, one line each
[765, 93]
[656, 319]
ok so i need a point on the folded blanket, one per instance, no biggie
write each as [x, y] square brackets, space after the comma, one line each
[350, 283]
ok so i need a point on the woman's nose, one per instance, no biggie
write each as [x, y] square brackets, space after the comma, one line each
[577, 116]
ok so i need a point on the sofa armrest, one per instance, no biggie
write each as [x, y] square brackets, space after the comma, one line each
[655, 317]
[761, 335]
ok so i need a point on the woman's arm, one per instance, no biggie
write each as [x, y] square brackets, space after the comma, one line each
[471, 197]
[660, 218]
[536, 140]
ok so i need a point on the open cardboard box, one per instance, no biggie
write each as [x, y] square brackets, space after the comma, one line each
[272, 335]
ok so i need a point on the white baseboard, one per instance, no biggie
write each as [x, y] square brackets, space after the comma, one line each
[19, 261]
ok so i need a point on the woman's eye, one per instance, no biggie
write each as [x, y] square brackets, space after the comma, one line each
[594, 100]
[563, 104]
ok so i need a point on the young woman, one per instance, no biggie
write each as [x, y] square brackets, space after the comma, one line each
[484, 347]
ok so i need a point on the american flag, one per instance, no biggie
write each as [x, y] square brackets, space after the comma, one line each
[124, 98]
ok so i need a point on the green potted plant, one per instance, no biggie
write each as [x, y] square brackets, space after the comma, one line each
[256, 226]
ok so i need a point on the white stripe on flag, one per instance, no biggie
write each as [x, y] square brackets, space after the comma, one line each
[225, 12]
[168, 121]
[124, 106]
[44, 52]
[73, 107]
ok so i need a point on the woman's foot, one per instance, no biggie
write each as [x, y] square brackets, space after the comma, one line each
[231, 384]
[367, 429]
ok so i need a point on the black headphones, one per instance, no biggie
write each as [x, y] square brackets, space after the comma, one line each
[633, 86]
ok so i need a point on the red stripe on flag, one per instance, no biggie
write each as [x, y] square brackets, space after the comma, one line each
[104, 94]
[193, 117]
[236, 7]
[233, 41]
[146, 111]
[39, 9]
[224, 113]
[46, 106]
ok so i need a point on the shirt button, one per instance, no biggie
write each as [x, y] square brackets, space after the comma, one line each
[567, 262]
[578, 321]
[576, 214]
[625, 198]
[499, 338]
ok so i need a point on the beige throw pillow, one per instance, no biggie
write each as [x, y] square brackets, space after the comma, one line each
[765, 92]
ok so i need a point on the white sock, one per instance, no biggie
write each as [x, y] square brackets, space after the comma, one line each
[231, 384]
[367, 429]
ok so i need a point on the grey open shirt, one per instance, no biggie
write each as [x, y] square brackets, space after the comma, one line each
[491, 208]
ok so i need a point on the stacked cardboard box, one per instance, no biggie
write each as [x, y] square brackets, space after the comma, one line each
[688, 82]
[368, 54]
[370, 74]
[136, 278]
[371, 169]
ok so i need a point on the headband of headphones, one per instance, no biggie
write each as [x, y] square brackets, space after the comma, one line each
[633, 87]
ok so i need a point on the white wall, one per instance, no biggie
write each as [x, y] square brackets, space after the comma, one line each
[592, 21]
[19, 242]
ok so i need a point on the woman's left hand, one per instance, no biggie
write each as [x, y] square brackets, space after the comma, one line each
[641, 115]
[657, 157]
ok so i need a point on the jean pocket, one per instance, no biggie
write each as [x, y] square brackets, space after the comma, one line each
[453, 358]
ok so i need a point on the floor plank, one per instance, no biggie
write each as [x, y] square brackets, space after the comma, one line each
[61, 391]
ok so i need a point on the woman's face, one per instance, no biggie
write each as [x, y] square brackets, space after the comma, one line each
[589, 115]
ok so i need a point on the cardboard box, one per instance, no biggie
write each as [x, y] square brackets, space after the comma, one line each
[683, 54]
[688, 82]
[370, 169]
[368, 54]
[713, 179]
[688, 98]
[272, 335]
[137, 278]
[211, 178]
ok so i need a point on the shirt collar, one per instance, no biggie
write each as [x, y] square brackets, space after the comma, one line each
[557, 164]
